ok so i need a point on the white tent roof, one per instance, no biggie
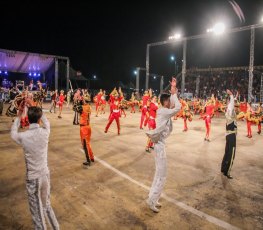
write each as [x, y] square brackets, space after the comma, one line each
[25, 62]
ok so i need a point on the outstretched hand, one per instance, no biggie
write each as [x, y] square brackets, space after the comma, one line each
[229, 92]
[173, 83]
[173, 86]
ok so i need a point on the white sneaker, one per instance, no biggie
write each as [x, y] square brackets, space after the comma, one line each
[152, 206]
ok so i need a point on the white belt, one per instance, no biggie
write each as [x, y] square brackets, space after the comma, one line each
[116, 111]
[145, 106]
[152, 117]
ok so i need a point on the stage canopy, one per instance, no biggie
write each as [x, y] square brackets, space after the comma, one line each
[27, 62]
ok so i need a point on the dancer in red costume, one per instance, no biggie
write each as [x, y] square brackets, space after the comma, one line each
[249, 117]
[123, 106]
[209, 112]
[259, 115]
[115, 101]
[132, 103]
[186, 114]
[151, 121]
[61, 102]
[103, 103]
[98, 102]
[27, 101]
[145, 100]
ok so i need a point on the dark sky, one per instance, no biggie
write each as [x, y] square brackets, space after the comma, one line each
[109, 39]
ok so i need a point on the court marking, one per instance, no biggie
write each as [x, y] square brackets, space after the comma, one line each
[180, 204]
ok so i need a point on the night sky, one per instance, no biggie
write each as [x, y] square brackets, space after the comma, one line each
[109, 39]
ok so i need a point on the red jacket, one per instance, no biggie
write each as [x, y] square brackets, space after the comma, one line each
[152, 110]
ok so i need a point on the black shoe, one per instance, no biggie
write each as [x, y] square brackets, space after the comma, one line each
[92, 160]
[151, 147]
[50, 111]
[147, 150]
[86, 163]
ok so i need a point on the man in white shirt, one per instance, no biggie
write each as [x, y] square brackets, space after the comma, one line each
[35, 145]
[164, 126]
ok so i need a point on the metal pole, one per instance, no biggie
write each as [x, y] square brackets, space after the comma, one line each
[56, 73]
[67, 84]
[138, 79]
[251, 64]
[147, 66]
[183, 68]
[161, 85]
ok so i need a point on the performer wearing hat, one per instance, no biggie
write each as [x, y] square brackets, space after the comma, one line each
[145, 100]
[250, 119]
[54, 96]
[85, 130]
[103, 103]
[98, 102]
[115, 102]
[209, 112]
[132, 103]
[76, 103]
[259, 116]
[151, 121]
[61, 102]
[231, 132]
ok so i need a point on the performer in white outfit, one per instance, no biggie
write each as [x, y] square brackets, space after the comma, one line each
[164, 126]
[35, 145]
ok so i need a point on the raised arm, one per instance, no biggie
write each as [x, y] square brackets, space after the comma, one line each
[15, 135]
[231, 104]
[46, 124]
[175, 103]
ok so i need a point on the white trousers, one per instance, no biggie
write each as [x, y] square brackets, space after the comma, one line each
[160, 173]
[38, 191]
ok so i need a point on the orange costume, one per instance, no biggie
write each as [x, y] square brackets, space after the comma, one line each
[85, 133]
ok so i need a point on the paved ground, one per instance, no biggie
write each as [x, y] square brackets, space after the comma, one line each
[111, 194]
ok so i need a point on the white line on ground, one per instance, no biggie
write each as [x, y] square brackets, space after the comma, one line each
[184, 206]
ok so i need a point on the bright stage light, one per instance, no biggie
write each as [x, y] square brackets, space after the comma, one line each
[30, 74]
[172, 58]
[35, 74]
[6, 73]
[175, 37]
[219, 28]
[38, 75]
[94, 77]
[0, 71]
[135, 72]
[154, 77]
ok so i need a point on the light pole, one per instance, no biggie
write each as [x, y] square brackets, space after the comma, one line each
[173, 58]
[217, 30]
